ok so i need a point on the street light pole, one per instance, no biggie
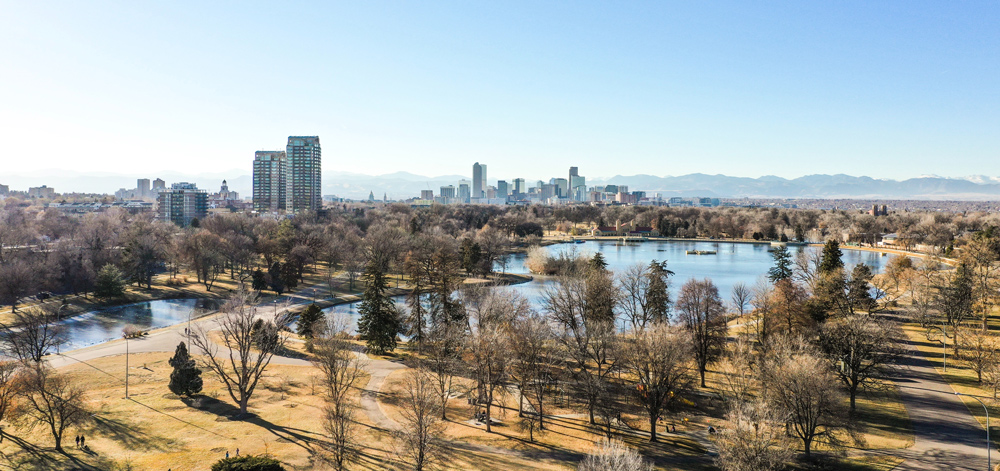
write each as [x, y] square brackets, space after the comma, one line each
[126, 365]
[989, 463]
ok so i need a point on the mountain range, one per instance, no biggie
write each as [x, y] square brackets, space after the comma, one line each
[402, 185]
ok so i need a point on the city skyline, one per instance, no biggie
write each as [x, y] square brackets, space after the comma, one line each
[637, 88]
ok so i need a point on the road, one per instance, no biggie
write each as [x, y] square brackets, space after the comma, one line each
[946, 436]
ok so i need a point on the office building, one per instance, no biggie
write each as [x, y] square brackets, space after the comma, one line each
[303, 178]
[142, 188]
[573, 172]
[159, 184]
[562, 186]
[464, 191]
[448, 191]
[502, 191]
[269, 180]
[426, 194]
[578, 188]
[478, 180]
[519, 186]
[4, 189]
[182, 203]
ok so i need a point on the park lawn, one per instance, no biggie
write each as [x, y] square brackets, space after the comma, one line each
[567, 439]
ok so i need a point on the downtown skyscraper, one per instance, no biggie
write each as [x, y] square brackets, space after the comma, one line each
[478, 180]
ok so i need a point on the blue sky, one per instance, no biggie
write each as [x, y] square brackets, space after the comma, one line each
[886, 89]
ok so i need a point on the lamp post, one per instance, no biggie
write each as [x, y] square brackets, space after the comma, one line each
[126, 363]
[989, 464]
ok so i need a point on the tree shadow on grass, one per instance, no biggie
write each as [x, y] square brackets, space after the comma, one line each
[130, 436]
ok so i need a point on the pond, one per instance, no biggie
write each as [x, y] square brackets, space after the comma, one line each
[731, 264]
[101, 326]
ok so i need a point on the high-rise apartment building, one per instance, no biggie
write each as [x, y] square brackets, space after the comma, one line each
[448, 191]
[159, 184]
[302, 178]
[269, 180]
[426, 194]
[182, 203]
[478, 180]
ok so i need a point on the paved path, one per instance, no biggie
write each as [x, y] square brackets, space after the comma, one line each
[946, 436]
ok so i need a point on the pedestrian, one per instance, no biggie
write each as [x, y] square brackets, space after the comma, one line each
[237, 452]
[82, 440]
[227, 454]
[78, 441]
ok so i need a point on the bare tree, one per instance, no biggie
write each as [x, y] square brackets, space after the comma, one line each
[34, 334]
[753, 439]
[420, 420]
[741, 298]
[10, 388]
[658, 358]
[612, 455]
[702, 313]
[863, 348]
[488, 344]
[738, 369]
[248, 344]
[763, 307]
[979, 350]
[341, 368]
[443, 360]
[633, 283]
[802, 386]
[588, 341]
[530, 344]
[51, 400]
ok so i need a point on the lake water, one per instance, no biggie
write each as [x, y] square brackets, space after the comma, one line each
[107, 324]
[733, 263]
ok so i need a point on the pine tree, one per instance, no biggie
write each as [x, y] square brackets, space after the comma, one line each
[379, 322]
[782, 269]
[831, 257]
[308, 319]
[598, 262]
[185, 380]
[109, 282]
[658, 291]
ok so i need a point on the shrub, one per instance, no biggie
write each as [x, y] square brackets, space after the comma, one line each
[248, 463]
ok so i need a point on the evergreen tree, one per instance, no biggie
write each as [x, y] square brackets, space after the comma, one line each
[379, 322]
[831, 257]
[109, 282]
[472, 255]
[185, 380]
[274, 278]
[289, 275]
[308, 320]
[782, 269]
[259, 280]
[598, 262]
[658, 291]
[859, 295]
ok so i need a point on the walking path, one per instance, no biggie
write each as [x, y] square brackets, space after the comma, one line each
[946, 436]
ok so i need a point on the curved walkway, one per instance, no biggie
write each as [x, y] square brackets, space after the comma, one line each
[946, 436]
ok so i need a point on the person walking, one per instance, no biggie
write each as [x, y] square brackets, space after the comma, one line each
[78, 441]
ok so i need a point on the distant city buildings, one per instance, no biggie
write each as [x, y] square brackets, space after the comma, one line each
[182, 203]
[158, 185]
[41, 192]
[878, 211]
[4, 190]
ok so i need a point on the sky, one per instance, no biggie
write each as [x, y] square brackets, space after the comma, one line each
[885, 89]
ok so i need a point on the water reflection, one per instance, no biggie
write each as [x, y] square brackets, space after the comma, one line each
[107, 324]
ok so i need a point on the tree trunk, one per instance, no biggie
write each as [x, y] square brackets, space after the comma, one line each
[243, 405]
[807, 445]
[702, 372]
[652, 427]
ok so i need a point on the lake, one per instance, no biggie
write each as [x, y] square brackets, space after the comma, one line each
[733, 263]
[107, 324]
